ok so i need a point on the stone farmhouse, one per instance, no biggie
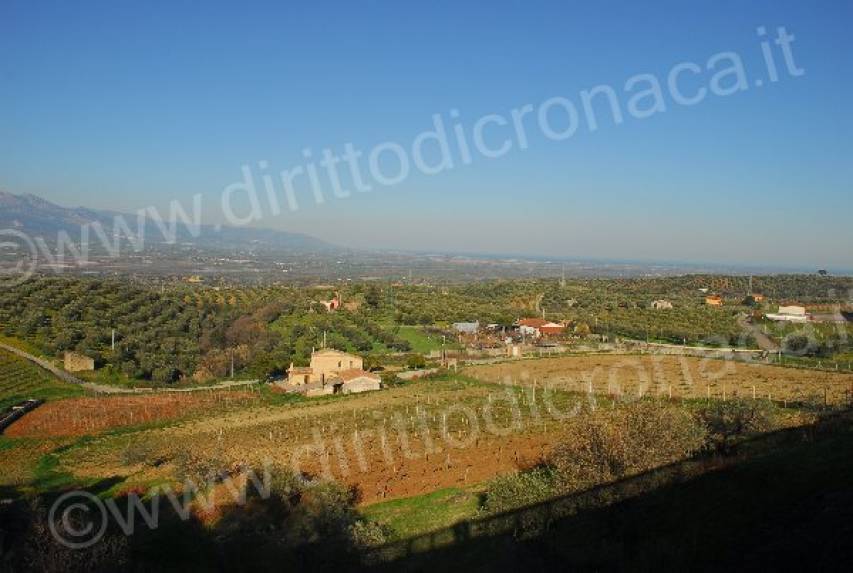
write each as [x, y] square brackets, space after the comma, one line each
[74, 362]
[332, 371]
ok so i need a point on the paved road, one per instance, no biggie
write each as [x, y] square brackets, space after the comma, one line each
[105, 389]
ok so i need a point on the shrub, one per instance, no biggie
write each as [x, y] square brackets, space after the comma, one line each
[367, 534]
[519, 489]
[730, 422]
[201, 470]
[617, 443]
[415, 361]
[136, 452]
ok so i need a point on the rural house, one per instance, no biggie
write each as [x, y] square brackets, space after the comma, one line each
[661, 305]
[332, 372]
[714, 300]
[537, 327]
[325, 364]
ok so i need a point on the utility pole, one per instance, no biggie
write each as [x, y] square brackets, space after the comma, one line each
[232, 363]
[113, 344]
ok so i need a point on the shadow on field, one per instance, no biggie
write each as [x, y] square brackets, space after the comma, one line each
[785, 503]
[305, 531]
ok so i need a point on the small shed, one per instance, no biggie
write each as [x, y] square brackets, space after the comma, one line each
[75, 362]
[355, 381]
[466, 327]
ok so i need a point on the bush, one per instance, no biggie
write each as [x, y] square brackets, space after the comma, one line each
[730, 422]
[201, 470]
[519, 489]
[367, 534]
[617, 443]
[415, 361]
[136, 452]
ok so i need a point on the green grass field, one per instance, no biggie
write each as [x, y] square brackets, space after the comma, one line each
[423, 342]
[22, 380]
[411, 516]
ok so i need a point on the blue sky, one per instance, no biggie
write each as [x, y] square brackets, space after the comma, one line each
[122, 105]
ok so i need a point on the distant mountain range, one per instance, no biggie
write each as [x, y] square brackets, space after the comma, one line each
[38, 217]
[305, 255]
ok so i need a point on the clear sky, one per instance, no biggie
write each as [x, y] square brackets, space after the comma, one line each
[122, 105]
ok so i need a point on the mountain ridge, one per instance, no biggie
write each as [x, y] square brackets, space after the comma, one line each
[38, 217]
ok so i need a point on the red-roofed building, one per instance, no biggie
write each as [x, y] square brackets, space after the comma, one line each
[537, 327]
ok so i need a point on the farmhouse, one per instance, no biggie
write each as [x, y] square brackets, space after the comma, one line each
[537, 327]
[332, 372]
[551, 328]
[714, 300]
[78, 362]
[325, 364]
[661, 305]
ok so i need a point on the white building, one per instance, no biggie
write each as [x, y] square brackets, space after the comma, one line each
[466, 327]
[791, 313]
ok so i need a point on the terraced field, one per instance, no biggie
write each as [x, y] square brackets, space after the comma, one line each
[21, 380]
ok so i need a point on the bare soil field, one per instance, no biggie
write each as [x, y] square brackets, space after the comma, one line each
[664, 375]
[91, 415]
[400, 442]
[426, 435]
